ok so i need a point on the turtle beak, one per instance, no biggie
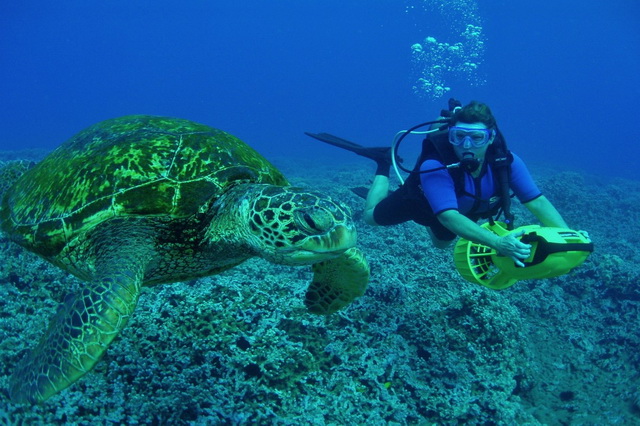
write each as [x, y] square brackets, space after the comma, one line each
[318, 248]
[340, 239]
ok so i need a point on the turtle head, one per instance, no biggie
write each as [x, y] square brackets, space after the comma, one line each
[294, 226]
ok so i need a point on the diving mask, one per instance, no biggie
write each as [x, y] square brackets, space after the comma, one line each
[477, 137]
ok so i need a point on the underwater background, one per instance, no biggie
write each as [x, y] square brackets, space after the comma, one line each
[561, 77]
[422, 346]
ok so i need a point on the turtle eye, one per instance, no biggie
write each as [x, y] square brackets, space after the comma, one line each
[305, 222]
[309, 220]
[314, 221]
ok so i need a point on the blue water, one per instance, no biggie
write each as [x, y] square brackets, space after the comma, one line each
[562, 77]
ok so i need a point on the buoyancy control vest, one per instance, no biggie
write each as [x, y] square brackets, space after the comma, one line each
[436, 146]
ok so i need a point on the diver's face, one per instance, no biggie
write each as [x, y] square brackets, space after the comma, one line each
[467, 146]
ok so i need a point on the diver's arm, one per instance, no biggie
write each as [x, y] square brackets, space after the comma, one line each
[546, 213]
[508, 245]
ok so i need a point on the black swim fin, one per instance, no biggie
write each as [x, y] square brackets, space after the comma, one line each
[360, 191]
[378, 154]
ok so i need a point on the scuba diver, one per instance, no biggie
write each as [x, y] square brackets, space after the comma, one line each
[464, 173]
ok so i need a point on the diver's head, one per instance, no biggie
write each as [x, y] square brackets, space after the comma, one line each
[473, 129]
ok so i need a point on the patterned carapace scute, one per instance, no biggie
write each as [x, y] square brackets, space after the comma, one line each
[168, 166]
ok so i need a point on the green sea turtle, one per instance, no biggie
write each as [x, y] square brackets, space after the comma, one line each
[143, 200]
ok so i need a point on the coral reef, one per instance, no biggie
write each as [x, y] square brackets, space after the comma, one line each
[421, 346]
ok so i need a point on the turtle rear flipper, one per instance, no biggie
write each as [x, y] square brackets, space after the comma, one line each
[84, 325]
[337, 282]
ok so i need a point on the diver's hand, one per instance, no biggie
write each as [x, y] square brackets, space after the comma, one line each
[512, 247]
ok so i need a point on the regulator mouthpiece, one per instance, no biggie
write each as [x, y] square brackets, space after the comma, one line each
[469, 162]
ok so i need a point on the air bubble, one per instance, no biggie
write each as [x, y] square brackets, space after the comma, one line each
[438, 64]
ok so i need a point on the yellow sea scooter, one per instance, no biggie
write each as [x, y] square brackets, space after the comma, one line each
[554, 252]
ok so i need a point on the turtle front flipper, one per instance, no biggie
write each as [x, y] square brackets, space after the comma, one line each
[84, 326]
[337, 282]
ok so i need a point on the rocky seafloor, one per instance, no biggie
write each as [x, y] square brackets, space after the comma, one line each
[422, 346]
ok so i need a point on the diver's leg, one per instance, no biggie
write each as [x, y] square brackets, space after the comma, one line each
[441, 237]
[379, 191]
[438, 243]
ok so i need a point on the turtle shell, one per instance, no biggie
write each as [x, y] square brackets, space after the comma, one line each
[129, 166]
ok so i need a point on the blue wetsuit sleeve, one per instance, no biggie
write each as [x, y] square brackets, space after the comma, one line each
[522, 183]
[438, 187]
